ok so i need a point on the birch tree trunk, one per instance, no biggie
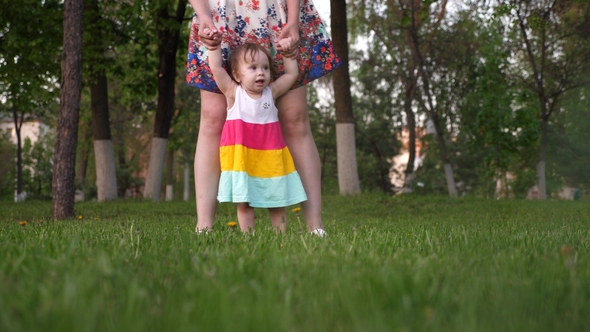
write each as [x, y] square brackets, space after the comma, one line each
[104, 156]
[168, 35]
[348, 179]
[170, 175]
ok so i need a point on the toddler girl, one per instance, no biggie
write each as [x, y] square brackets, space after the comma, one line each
[257, 169]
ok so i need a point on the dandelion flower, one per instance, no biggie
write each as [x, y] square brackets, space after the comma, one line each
[296, 210]
[232, 224]
[80, 217]
[22, 223]
[565, 250]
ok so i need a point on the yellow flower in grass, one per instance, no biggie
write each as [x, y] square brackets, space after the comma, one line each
[296, 210]
[22, 223]
[80, 217]
[232, 224]
[565, 250]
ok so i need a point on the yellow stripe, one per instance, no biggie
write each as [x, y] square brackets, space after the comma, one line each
[258, 163]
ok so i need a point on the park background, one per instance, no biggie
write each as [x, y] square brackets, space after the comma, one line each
[479, 98]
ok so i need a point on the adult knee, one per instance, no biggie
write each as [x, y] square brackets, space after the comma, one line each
[293, 114]
[296, 127]
[213, 114]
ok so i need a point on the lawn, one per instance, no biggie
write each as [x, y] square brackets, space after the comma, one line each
[388, 264]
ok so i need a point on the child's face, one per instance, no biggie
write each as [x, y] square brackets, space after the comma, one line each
[253, 73]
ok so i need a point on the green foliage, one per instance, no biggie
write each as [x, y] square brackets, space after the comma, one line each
[429, 178]
[498, 122]
[435, 264]
[186, 121]
[30, 47]
[376, 84]
[323, 125]
[478, 80]
[569, 152]
[377, 117]
[38, 167]
[7, 169]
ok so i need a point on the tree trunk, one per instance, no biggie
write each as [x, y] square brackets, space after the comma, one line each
[444, 157]
[419, 55]
[104, 155]
[348, 179]
[106, 175]
[187, 173]
[18, 124]
[411, 119]
[123, 181]
[170, 175]
[542, 156]
[167, 47]
[67, 122]
[153, 181]
[411, 79]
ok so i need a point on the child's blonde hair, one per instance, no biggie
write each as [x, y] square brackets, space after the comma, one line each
[242, 53]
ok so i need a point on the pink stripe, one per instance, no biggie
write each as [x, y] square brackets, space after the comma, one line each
[252, 135]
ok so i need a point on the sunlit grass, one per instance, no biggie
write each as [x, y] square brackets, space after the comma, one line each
[388, 264]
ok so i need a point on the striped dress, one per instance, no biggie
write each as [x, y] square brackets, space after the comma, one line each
[256, 165]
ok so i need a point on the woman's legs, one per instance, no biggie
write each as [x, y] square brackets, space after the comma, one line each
[246, 217]
[297, 131]
[207, 169]
[278, 219]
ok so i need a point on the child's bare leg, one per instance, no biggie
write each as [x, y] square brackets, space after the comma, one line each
[278, 218]
[246, 217]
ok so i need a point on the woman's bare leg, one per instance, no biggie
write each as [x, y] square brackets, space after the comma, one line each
[297, 131]
[278, 219]
[207, 168]
[246, 217]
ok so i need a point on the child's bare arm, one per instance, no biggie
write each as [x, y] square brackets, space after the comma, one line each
[284, 83]
[222, 78]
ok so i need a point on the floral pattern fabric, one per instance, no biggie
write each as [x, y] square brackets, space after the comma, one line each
[260, 21]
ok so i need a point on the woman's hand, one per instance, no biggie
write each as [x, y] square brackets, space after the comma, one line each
[209, 35]
[290, 33]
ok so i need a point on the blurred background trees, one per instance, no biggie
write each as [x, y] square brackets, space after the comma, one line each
[488, 97]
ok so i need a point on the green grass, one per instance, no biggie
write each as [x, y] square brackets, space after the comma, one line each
[389, 264]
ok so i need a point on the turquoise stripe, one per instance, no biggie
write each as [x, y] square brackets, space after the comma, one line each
[238, 187]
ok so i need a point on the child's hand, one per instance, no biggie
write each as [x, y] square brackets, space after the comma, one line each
[210, 36]
[287, 47]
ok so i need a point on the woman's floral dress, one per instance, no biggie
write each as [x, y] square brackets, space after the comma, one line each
[260, 21]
